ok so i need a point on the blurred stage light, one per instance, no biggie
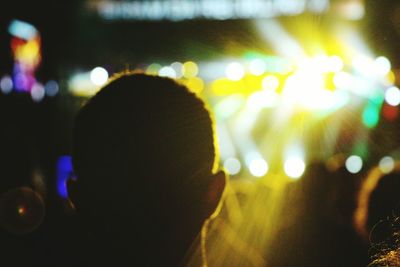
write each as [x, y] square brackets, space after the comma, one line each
[51, 88]
[354, 164]
[335, 64]
[161, 10]
[22, 30]
[37, 92]
[167, 72]
[370, 117]
[322, 64]
[392, 96]
[342, 79]
[386, 164]
[294, 167]
[232, 166]
[178, 68]
[257, 67]
[6, 84]
[389, 112]
[382, 65]
[262, 99]
[352, 10]
[99, 76]
[270, 82]
[258, 167]
[390, 79]
[234, 71]
[307, 89]
[81, 85]
[190, 69]
[364, 65]
[229, 105]
[372, 110]
[64, 172]
[153, 69]
[22, 81]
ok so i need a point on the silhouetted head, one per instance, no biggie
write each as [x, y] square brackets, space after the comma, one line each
[145, 156]
[378, 199]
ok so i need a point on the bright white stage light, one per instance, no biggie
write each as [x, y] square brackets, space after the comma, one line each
[99, 76]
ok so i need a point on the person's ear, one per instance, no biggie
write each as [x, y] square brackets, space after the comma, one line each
[214, 194]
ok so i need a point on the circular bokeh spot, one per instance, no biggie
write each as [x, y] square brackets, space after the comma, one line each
[21, 210]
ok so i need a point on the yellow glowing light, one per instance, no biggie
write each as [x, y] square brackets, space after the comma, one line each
[294, 167]
[234, 71]
[29, 51]
[224, 87]
[391, 78]
[270, 82]
[190, 69]
[195, 84]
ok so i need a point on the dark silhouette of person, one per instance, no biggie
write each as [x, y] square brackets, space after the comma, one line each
[317, 237]
[377, 215]
[145, 157]
[378, 199]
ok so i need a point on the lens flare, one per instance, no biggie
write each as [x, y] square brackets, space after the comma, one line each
[21, 210]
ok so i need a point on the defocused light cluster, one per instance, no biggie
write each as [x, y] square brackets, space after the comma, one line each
[242, 91]
[218, 10]
[186, 73]
[26, 50]
[305, 92]
[88, 83]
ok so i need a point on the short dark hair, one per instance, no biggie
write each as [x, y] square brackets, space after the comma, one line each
[143, 147]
